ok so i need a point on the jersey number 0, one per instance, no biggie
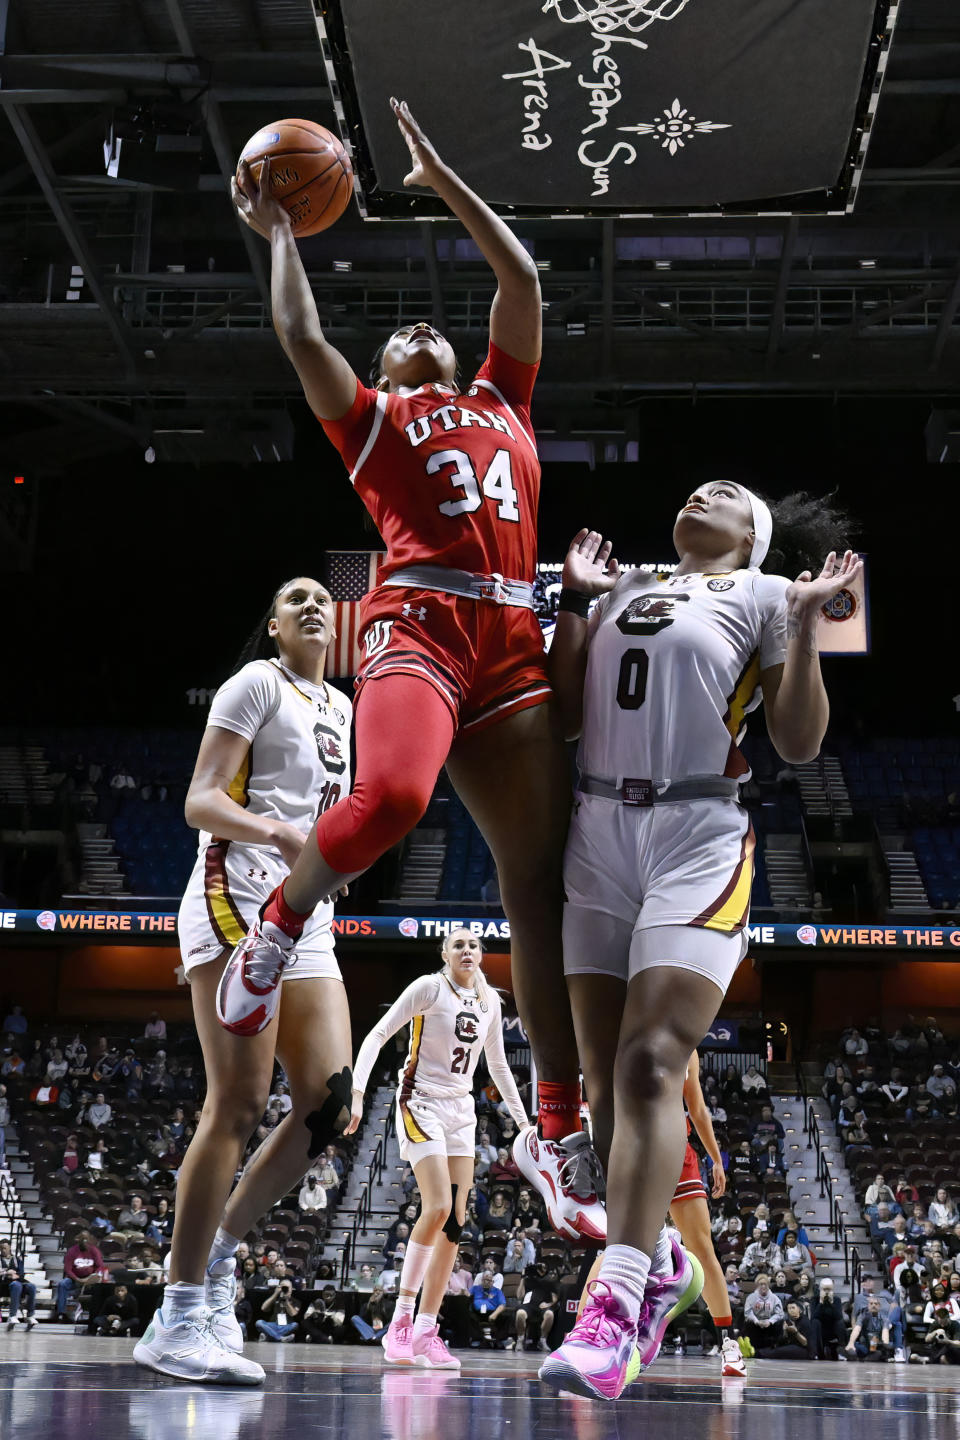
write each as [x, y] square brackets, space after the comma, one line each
[497, 483]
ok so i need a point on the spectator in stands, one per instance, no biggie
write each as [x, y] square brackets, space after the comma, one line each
[398, 1234]
[535, 1316]
[759, 1258]
[71, 1155]
[472, 1232]
[16, 1022]
[529, 1212]
[793, 1257]
[781, 1286]
[804, 1292]
[105, 1065]
[827, 1314]
[185, 1086]
[281, 1273]
[734, 1289]
[887, 1230]
[797, 1337]
[461, 1278]
[753, 1084]
[14, 1284]
[155, 1028]
[789, 1221]
[953, 1241]
[133, 1219]
[45, 1094]
[500, 1213]
[280, 1099]
[312, 1195]
[281, 1310]
[901, 1042]
[130, 1074]
[879, 1191]
[12, 1063]
[932, 1033]
[895, 1092]
[730, 1241]
[916, 1221]
[486, 1153]
[118, 1315]
[758, 1224]
[942, 1212]
[762, 1315]
[520, 1256]
[82, 1266]
[856, 1140]
[765, 1130]
[732, 1089]
[329, 1177]
[478, 1198]
[389, 1276]
[939, 1084]
[487, 1305]
[868, 1291]
[853, 1044]
[870, 1337]
[160, 1229]
[57, 1066]
[99, 1113]
[374, 1318]
[741, 1161]
[97, 1157]
[943, 1339]
[365, 1278]
[769, 1163]
[504, 1168]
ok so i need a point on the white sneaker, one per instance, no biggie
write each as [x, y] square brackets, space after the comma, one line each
[565, 1175]
[249, 988]
[12, 1323]
[731, 1360]
[219, 1293]
[188, 1350]
[32, 1322]
[900, 1356]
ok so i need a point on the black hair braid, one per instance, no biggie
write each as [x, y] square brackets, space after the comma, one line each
[805, 529]
[260, 644]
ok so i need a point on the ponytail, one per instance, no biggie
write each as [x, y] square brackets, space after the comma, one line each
[805, 529]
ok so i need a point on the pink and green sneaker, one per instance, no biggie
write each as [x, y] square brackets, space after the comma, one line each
[593, 1359]
[667, 1295]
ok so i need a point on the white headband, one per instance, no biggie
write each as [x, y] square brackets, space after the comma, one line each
[762, 528]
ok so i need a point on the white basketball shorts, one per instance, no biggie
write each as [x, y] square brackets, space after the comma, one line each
[228, 885]
[428, 1125]
[663, 885]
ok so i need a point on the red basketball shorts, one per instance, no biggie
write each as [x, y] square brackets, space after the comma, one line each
[689, 1186]
[486, 660]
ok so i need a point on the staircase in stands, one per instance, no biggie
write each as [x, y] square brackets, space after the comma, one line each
[42, 1247]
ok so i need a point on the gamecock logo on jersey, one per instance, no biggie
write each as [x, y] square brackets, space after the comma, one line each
[466, 1027]
[330, 749]
[648, 614]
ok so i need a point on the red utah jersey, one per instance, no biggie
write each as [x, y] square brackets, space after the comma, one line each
[449, 479]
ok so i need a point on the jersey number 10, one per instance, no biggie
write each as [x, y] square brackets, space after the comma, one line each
[497, 483]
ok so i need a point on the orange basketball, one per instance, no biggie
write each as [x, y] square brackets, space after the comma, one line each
[310, 172]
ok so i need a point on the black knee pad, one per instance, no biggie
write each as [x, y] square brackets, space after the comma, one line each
[453, 1229]
[328, 1123]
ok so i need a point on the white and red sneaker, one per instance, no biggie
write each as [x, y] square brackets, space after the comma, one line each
[667, 1296]
[594, 1358]
[431, 1352]
[564, 1173]
[731, 1359]
[249, 987]
[398, 1343]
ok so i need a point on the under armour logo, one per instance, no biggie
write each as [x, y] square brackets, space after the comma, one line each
[255, 874]
[414, 612]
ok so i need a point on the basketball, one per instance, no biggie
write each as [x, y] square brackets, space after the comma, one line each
[310, 172]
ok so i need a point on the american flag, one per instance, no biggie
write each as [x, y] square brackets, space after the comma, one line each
[350, 574]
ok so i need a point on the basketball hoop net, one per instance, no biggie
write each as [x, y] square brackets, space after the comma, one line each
[606, 16]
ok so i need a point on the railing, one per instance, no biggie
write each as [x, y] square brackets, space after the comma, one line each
[11, 1228]
[365, 1200]
[838, 1229]
[715, 1062]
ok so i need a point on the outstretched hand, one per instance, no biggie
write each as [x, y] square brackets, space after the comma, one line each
[427, 165]
[588, 567]
[254, 199]
[809, 593]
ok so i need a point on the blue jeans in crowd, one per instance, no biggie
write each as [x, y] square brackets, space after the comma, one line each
[18, 1288]
[65, 1289]
[274, 1330]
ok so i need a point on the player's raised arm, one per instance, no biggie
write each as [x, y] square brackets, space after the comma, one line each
[588, 572]
[515, 316]
[328, 381]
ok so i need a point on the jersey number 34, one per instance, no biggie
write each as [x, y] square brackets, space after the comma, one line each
[497, 484]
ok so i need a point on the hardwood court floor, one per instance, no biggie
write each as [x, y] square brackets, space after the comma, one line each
[73, 1388]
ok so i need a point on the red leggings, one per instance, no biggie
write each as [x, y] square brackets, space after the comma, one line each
[404, 730]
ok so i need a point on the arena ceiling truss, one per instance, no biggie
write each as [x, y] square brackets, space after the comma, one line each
[124, 297]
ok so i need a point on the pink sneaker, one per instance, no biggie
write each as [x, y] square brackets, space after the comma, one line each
[594, 1357]
[249, 988]
[666, 1297]
[398, 1343]
[565, 1175]
[430, 1351]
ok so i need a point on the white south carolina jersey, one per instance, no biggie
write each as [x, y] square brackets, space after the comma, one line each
[448, 1029]
[673, 669]
[298, 763]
